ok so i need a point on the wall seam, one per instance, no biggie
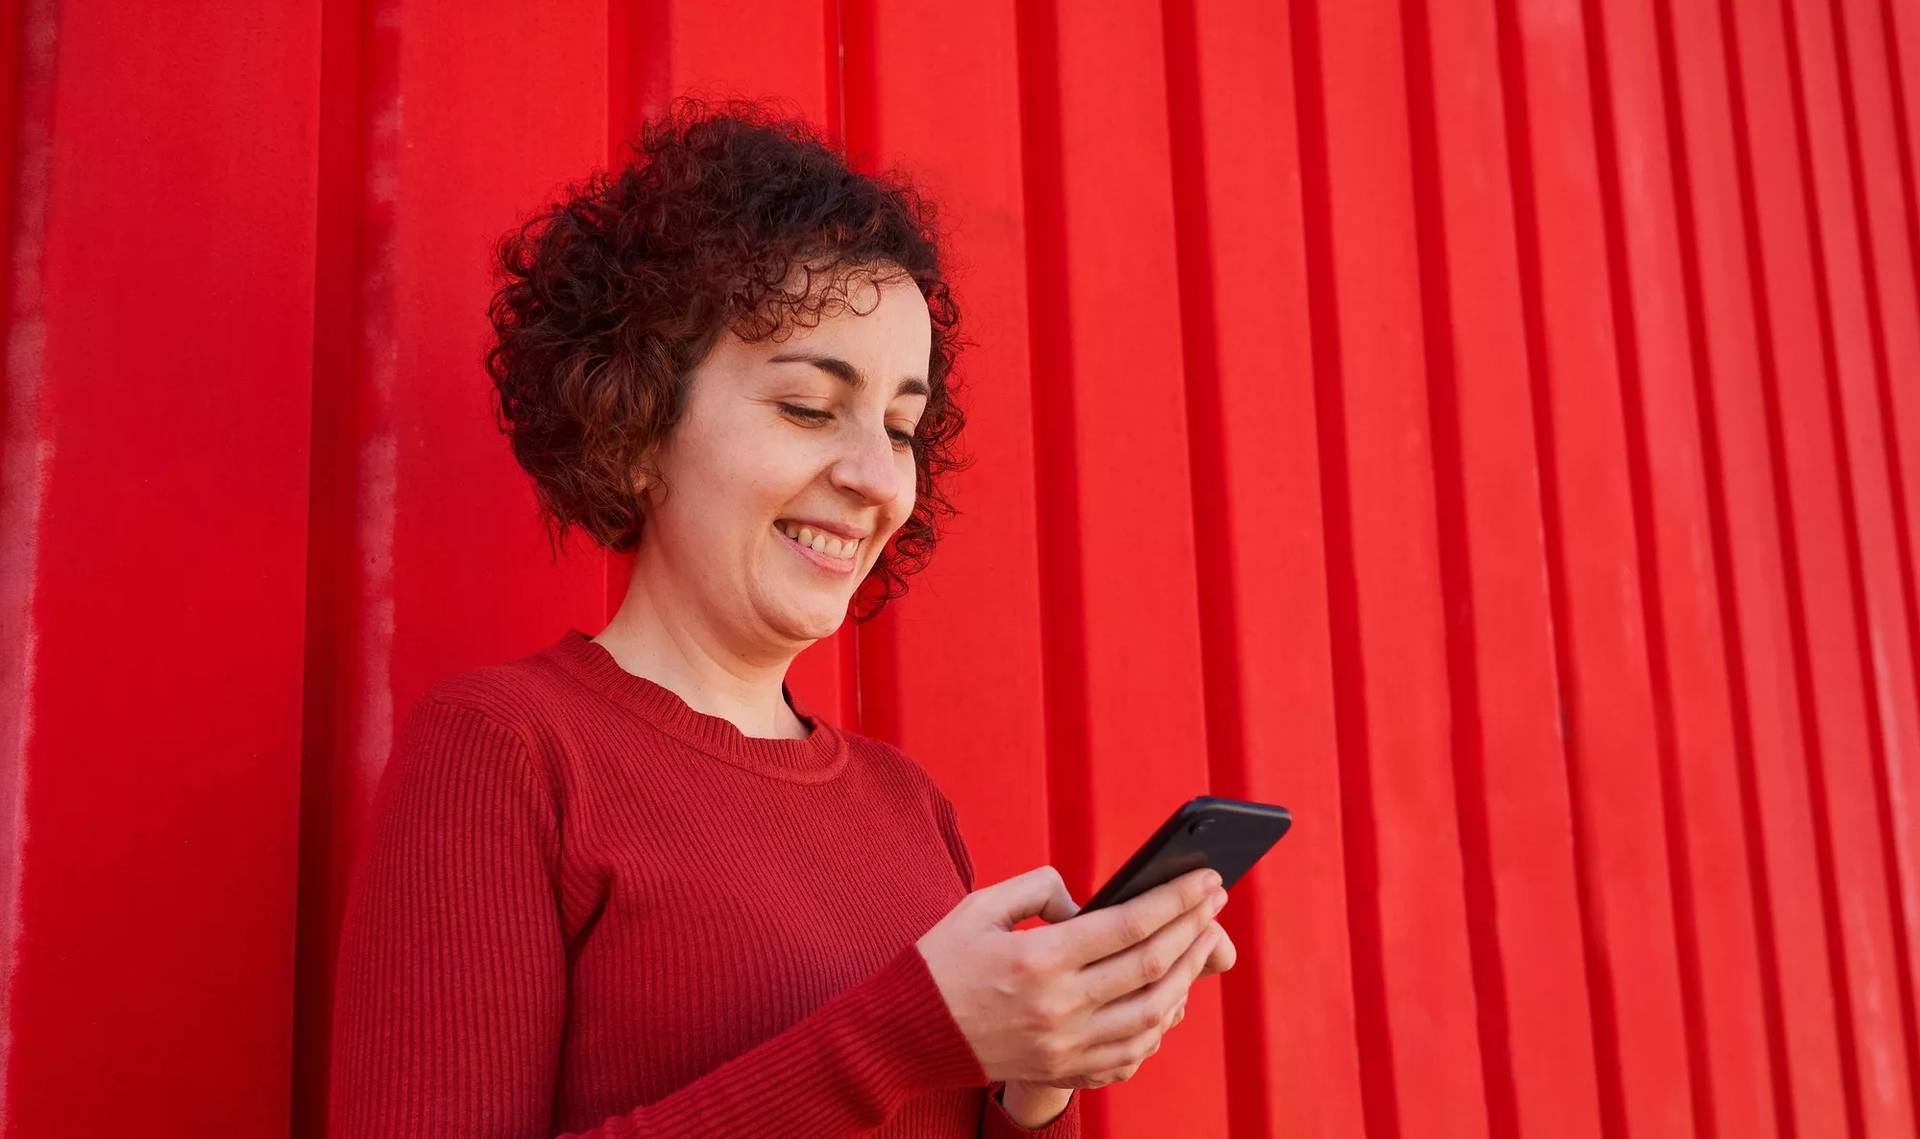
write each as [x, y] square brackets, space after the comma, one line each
[1900, 870]
[1790, 559]
[1646, 551]
[1455, 560]
[1733, 649]
[1371, 1024]
[26, 455]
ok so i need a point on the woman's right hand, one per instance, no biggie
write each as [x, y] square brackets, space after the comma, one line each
[1075, 1003]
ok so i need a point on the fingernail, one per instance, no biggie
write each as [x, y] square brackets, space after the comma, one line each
[1218, 902]
[1218, 882]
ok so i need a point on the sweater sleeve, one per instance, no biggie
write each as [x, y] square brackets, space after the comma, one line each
[995, 1123]
[451, 984]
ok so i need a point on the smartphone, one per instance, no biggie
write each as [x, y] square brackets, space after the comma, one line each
[1225, 835]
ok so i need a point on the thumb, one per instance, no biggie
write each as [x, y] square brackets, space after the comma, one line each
[1037, 893]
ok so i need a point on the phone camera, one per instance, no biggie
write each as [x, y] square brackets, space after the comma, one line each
[1199, 825]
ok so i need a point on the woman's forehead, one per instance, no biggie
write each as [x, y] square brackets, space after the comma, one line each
[865, 309]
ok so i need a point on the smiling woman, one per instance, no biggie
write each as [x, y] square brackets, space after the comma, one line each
[787, 474]
[625, 886]
[734, 232]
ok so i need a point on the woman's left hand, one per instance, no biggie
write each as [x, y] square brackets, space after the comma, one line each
[1041, 1103]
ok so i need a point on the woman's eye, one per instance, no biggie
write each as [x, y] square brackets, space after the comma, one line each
[808, 414]
[900, 438]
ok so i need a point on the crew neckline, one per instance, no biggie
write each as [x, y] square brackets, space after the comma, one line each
[817, 758]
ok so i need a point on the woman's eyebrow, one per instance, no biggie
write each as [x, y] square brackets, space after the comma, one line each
[847, 374]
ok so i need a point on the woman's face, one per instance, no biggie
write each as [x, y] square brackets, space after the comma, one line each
[789, 470]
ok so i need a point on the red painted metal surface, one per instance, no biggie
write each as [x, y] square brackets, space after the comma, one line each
[1515, 802]
[1412, 976]
[1489, 427]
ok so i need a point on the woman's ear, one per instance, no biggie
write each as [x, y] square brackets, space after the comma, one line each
[647, 485]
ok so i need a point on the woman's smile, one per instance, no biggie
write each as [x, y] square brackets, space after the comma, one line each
[823, 550]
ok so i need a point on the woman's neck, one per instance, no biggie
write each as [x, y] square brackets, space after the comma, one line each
[669, 644]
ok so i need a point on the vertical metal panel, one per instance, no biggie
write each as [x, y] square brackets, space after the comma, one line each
[1855, 352]
[13, 54]
[1851, 847]
[1620, 820]
[755, 49]
[1885, 249]
[1899, 39]
[1706, 826]
[1889, 239]
[1412, 970]
[1713, 212]
[1516, 808]
[1291, 1043]
[153, 517]
[1127, 739]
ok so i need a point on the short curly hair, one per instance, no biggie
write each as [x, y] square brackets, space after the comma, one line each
[727, 215]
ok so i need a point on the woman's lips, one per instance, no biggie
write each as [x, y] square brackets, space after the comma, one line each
[839, 564]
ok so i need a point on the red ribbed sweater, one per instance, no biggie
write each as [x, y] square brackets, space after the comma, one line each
[585, 908]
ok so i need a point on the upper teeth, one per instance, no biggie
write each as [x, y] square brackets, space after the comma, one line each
[819, 541]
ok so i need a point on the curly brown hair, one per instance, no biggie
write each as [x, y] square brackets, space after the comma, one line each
[727, 215]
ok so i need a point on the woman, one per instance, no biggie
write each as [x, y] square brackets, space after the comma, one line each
[625, 886]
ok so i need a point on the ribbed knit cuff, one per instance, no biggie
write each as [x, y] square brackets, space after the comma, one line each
[914, 1030]
[999, 1125]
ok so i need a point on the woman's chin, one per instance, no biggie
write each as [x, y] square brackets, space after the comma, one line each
[811, 621]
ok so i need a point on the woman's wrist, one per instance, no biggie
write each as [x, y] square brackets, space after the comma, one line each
[1034, 1105]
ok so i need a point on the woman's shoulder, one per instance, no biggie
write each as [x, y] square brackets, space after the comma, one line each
[890, 760]
[508, 691]
[919, 784]
[896, 766]
[514, 702]
[487, 730]
[517, 693]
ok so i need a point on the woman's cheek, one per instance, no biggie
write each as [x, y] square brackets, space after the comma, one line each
[909, 479]
[898, 514]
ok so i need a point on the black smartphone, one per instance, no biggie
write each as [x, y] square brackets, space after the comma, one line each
[1225, 835]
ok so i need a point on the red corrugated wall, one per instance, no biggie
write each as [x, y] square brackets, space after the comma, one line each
[1489, 427]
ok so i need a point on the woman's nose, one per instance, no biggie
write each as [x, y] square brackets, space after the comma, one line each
[869, 466]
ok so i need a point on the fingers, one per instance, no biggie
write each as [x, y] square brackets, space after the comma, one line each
[1148, 962]
[1105, 932]
[1128, 1054]
[1224, 953]
[1037, 893]
[1148, 1044]
[1150, 1009]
